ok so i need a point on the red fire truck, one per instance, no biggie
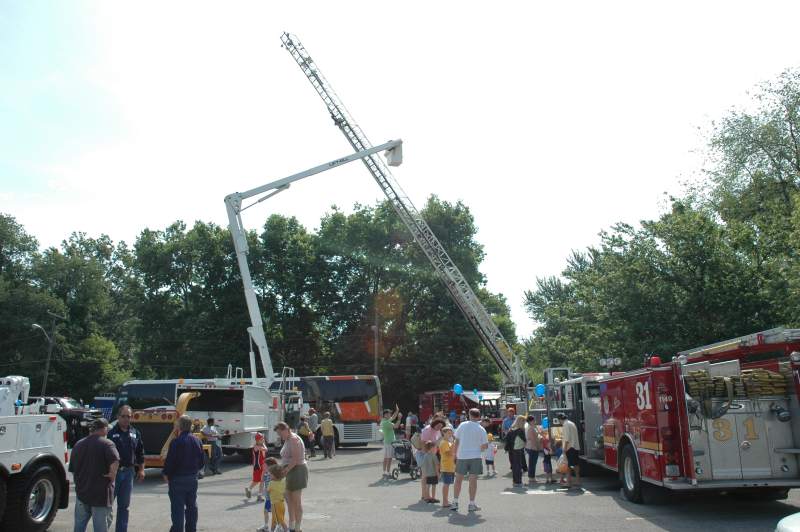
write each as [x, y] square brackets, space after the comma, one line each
[721, 417]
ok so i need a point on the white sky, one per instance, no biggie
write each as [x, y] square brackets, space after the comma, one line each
[551, 122]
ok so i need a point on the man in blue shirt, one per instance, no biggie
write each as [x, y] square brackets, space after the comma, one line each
[128, 441]
[184, 460]
[506, 426]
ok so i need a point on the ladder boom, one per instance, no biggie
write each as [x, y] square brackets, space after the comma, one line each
[446, 270]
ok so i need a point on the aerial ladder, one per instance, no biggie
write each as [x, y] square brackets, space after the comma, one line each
[508, 363]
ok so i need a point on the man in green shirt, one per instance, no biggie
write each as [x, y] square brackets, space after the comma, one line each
[390, 423]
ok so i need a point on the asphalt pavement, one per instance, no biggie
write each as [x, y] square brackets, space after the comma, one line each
[348, 493]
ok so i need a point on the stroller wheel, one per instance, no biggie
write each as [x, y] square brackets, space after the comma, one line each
[395, 473]
[414, 473]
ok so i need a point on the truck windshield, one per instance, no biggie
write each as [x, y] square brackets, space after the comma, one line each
[67, 402]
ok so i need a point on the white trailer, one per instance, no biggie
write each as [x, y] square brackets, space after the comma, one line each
[33, 458]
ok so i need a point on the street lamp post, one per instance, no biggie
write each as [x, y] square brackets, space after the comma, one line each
[375, 341]
[50, 342]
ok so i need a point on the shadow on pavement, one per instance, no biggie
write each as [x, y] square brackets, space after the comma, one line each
[709, 511]
[420, 506]
[468, 519]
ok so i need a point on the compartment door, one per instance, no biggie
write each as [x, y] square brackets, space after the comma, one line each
[753, 446]
[723, 446]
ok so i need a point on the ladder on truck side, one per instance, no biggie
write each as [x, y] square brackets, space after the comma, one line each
[460, 291]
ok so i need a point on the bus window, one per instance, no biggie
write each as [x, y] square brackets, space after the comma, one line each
[340, 391]
[593, 390]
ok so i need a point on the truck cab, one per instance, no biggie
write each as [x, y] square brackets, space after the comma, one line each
[33, 457]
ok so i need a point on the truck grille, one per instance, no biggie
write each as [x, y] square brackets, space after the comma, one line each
[357, 431]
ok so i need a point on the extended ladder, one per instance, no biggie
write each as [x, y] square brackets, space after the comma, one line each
[446, 270]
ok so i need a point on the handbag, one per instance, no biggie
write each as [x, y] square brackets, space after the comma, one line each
[562, 467]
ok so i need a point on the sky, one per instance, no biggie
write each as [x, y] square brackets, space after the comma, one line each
[550, 121]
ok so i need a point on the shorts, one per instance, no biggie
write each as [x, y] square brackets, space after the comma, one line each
[267, 504]
[572, 457]
[297, 479]
[431, 481]
[448, 478]
[387, 450]
[489, 463]
[258, 475]
[469, 466]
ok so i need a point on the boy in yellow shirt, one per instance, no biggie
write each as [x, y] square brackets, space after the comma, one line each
[448, 464]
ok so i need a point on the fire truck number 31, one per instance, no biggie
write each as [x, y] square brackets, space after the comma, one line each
[724, 431]
[643, 396]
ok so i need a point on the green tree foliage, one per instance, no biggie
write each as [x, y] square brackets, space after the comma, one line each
[172, 304]
[719, 264]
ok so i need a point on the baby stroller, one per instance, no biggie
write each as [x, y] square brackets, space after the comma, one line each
[404, 454]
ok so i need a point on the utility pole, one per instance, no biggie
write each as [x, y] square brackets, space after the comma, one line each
[375, 340]
[50, 343]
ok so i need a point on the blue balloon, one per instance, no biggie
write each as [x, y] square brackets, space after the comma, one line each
[475, 391]
[539, 390]
[545, 422]
[480, 398]
[458, 389]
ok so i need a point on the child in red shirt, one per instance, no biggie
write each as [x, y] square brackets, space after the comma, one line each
[259, 456]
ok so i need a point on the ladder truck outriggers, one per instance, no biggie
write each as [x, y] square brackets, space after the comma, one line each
[723, 417]
[515, 377]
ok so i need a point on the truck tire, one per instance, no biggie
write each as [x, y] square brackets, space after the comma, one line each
[32, 500]
[629, 475]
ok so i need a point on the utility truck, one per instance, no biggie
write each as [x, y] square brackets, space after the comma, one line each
[240, 410]
[33, 458]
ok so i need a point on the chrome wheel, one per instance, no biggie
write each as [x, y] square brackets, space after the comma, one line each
[628, 469]
[41, 500]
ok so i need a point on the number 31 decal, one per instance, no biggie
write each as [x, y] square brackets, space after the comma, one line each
[643, 396]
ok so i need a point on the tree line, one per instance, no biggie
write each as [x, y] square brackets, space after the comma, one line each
[172, 305]
[720, 262]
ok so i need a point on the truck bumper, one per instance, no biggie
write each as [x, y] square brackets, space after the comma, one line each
[721, 485]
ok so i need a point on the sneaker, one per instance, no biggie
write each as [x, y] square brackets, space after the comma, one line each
[454, 506]
[264, 528]
[248, 493]
[473, 508]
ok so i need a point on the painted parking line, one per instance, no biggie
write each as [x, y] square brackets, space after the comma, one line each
[510, 491]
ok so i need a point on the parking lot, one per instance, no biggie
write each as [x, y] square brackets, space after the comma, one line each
[348, 493]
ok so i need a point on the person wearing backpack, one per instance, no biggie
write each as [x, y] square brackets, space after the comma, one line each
[515, 447]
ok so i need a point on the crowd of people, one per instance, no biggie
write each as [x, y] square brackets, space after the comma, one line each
[105, 463]
[450, 448]
[447, 451]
